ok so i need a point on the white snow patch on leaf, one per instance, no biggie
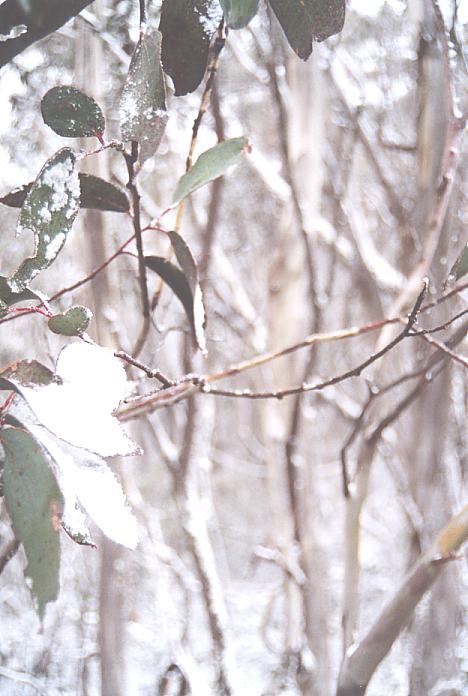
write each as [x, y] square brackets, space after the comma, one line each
[85, 478]
[79, 410]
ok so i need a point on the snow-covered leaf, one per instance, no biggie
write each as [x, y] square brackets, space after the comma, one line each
[143, 115]
[187, 27]
[3, 309]
[460, 267]
[11, 298]
[71, 113]
[238, 13]
[95, 193]
[34, 503]
[76, 404]
[87, 483]
[25, 373]
[304, 21]
[73, 322]
[48, 212]
[184, 283]
[210, 165]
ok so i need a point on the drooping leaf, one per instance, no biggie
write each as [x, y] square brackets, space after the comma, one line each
[143, 115]
[238, 13]
[184, 284]
[76, 404]
[3, 309]
[49, 211]
[460, 267]
[187, 27]
[304, 21]
[73, 322]
[34, 504]
[101, 195]
[96, 193]
[71, 113]
[210, 165]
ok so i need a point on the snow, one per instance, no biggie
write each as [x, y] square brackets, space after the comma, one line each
[79, 410]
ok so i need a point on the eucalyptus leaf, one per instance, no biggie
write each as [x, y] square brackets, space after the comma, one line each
[3, 309]
[238, 13]
[304, 21]
[11, 298]
[460, 267]
[182, 288]
[77, 402]
[96, 193]
[73, 322]
[49, 211]
[143, 115]
[34, 503]
[187, 27]
[71, 113]
[210, 165]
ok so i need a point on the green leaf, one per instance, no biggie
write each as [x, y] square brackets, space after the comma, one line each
[184, 284]
[460, 267]
[210, 165]
[3, 309]
[187, 27]
[238, 13]
[71, 113]
[143, 115]
[72, 323]
[25, 373]
[11, 298]
[34, 502]
[96, 193]
[101, 195]
[49, 211]
[306, 20]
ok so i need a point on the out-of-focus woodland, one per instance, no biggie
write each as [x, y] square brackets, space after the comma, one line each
[300, 544]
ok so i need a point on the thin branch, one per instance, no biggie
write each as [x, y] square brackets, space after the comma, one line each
[152, 373]
[442, 347]
[131, 160]
[355, 372]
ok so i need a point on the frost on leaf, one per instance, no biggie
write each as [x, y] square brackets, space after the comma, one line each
[71, 113]
[184, 284]
[143, 114]
[34, 503]
[187, 27]
[49, 211]
[96, 193]
[210, 165]
[77, 404]
[73, 322]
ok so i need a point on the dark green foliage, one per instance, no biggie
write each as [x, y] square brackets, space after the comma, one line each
[34, 502]
[71, 113]
[95, 193]
[187, 27]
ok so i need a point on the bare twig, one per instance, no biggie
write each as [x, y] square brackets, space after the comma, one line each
[131, 160]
